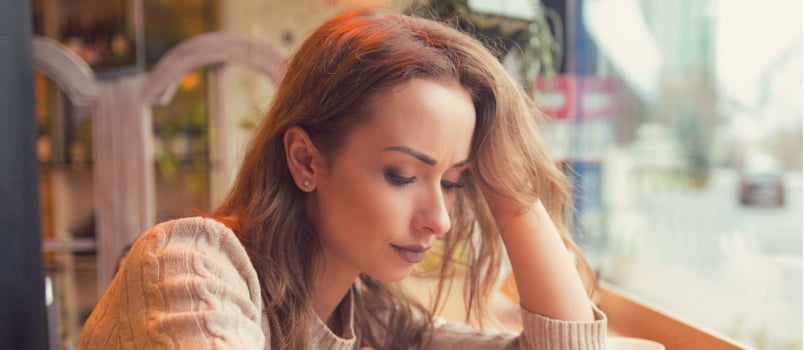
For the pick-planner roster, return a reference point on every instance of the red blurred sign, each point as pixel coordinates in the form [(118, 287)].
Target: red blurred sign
[(558, 96)]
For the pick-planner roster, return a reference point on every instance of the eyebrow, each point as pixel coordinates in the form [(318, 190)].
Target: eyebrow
[(421, 156)]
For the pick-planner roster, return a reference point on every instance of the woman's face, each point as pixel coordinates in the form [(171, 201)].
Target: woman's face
[(391, 187)]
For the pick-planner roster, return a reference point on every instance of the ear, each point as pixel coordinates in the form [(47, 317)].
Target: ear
[(302, 157)]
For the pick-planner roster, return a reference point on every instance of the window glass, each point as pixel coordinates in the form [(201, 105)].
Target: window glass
[(685, 146)]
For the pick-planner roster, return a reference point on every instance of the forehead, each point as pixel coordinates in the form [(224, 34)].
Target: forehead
[(433, 116)]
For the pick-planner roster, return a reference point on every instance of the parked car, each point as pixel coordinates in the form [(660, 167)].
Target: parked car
[(761, 182)]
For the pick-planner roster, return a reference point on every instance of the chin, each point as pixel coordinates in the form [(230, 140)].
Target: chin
[(390, 276)]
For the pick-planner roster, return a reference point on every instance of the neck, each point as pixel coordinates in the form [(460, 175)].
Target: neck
[(332, 282)]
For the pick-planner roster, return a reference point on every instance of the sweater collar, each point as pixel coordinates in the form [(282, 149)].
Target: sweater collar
[(324, 338)]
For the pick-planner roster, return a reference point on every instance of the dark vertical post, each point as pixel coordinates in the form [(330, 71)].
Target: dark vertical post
[(22, 300), (561, 8)]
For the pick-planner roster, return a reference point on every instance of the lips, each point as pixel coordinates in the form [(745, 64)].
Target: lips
[(413, 253)]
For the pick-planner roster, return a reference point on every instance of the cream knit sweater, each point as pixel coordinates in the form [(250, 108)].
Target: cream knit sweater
[(189, 284)]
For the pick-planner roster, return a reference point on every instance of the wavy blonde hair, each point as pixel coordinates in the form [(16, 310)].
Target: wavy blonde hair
[(325, 90)]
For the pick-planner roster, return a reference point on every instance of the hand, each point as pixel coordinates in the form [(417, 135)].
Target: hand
[(502, 208)]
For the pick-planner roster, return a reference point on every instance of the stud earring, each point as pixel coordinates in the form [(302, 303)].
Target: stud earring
[(307, 183)]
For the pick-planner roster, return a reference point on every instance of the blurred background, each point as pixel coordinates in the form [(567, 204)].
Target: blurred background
[(679, 121)]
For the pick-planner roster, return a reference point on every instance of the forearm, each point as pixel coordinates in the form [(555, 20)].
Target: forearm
[(547, 281)]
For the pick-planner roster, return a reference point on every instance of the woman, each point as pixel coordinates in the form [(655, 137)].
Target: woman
[(388, 136)]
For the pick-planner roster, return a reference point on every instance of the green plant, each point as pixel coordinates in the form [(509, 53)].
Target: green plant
[(539, 39), (182, 131), (543, 53)]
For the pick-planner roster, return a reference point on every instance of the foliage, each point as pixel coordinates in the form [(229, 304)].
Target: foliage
[(182, 132), (538, 40)]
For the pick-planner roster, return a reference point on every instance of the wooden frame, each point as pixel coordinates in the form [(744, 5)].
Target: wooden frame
[(628, 316)]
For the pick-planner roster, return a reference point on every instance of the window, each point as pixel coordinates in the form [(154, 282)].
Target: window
[(681, 122)]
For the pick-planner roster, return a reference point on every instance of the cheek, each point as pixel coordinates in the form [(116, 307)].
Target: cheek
[(361, 208)]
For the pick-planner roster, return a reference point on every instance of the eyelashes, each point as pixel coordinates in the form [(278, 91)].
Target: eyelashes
[(448, 185), (394, 178)]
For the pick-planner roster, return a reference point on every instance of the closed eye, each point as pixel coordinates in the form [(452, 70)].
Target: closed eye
[(397, 180), (450, 186)]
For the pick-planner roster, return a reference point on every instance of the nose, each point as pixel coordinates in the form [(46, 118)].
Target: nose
[(433, 213)]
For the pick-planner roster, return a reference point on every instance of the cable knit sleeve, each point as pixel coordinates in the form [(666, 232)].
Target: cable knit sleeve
[(539, 333), (185, 284)]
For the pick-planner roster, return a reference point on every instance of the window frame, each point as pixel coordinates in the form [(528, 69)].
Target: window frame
[(629, 316)]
